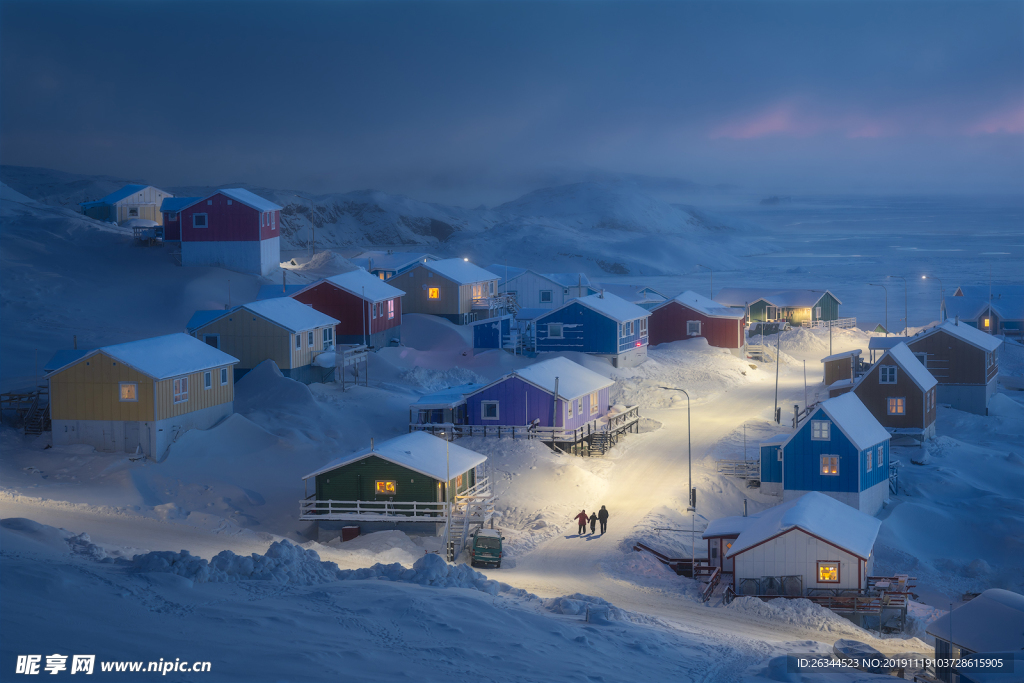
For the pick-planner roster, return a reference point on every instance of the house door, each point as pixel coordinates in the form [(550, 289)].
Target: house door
[(212, 339), (131, 437), (771, 313), (727, 562)]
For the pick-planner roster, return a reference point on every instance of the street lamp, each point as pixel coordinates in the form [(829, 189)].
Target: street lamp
[(906, 316), (942, 297), (886, 289), (691, 499), (712, 279), (447, 498)]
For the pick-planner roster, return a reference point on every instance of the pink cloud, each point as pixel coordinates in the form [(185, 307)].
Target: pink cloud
[(1009, 120)]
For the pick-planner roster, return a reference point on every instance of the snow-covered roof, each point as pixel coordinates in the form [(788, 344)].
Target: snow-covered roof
[(446, 398), (177, 203), (840, 383), (203, 318), (609, 305), (383, 260), (275, 291), (632, 293), (123, 193), (984, 291), (972, 336), (776, 440), (139, 223), (364, 285), (569, 279), (855, 421), (249, 199), (906, 359), (727, 526), (786, 298), (991, 622), (290, 314), (501, 269), (706, 306), (531, 313), (420, 452), (817, 514), (883, 343), (63, 358), (460, 271), (840, 356), (162, 357), (573, 379)]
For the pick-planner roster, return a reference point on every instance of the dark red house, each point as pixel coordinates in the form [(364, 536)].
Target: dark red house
[(233, 229), (370, 310), (691, 315), (171, 208)]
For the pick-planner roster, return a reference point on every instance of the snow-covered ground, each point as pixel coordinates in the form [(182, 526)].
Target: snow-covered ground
[(230, 493)]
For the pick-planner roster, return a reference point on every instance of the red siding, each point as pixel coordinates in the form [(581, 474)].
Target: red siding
[(349, 309), (233, 222), (172, 227), (668, 324), (272, 227)]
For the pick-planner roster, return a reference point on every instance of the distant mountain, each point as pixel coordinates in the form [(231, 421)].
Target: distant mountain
[(612, 227)]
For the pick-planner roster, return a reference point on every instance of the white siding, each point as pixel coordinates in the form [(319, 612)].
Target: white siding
[(796, 553), (261, 257), (528, 287)]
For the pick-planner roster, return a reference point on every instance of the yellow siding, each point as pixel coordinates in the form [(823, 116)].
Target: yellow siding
[(90, 390), (306, 354), (251, 339), (198, 397), (416, 283)]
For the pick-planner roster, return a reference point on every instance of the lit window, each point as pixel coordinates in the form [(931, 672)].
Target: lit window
[(489, 410), (692, 328), (830, 465), (207, 379), (386, 487), (199, 220), (985, 322), (593, 402), (545, 296), (391, 309), (828, 572), (869, 458), (381, 275), (820, 430), (434, 293), (181, 389), (896, 406), (554, 330), (887, 374), (458, 482), (223, 376), (129, 391)]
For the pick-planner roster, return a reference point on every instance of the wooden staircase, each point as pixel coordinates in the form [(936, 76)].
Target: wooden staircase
[(600, 442), (37, 420)]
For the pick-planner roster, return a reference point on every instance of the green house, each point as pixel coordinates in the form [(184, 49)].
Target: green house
[(807, 307), (401, 480)]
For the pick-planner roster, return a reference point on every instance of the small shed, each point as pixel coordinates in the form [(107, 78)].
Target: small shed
[(600, 324), (441, 408), (721, 535), (282, 330), (453, 288), (368, 310), (839, 366), (399, 481), (841, 450), (991, 623), (900, 393), (771, 464), (138, 397), (169, 209), (814, 542), (131, 201), (691, 315)]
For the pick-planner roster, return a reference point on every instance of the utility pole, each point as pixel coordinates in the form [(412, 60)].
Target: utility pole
[(778, 359), (886, 290), (692, 499)]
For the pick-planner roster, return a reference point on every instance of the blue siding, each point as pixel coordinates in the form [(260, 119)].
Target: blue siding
[(519, 403), (877, 474), (802, 461), (587, 331), (488, 334), (771, 468)]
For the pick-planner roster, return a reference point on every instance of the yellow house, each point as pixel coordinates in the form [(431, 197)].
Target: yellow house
[(283, 330), (139, 397), (131, 201)]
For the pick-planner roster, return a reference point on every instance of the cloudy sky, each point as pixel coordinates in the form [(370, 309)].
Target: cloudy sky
[(477, 101)]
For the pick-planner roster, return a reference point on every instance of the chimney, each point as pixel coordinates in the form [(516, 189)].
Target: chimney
[(744, 507), (74, 341), (284, 274), (602, 292), (957, 321), (554, 406), (371, 443)]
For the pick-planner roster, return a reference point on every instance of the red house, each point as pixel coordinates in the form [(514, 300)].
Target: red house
[(233, 229), (170, 208), (370, 310), (692, 315)]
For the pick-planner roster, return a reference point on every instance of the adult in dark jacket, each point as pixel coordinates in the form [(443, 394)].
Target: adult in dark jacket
[(603, 516), (582, 520), (593, 522)]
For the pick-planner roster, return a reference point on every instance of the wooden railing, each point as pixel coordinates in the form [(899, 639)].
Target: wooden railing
[(371, 510), (616, 423), (744, 469), (680, 565), (839, 322), (711, 576)]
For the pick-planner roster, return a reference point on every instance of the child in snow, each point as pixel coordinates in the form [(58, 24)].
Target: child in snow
[(582, 519), (593, 522), (603, 516)]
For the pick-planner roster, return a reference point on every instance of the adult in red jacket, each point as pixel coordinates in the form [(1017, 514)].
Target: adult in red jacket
[(582, 519)]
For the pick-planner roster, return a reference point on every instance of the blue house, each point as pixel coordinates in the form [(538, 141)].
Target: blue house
[(841, 451), (601, 324)]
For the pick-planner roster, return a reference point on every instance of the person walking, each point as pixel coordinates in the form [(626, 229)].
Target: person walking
[(603, 516), (582, 519), (593, 522)]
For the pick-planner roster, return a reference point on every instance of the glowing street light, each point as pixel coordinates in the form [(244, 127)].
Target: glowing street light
[(942, 297)]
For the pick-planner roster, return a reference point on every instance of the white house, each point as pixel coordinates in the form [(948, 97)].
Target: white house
[(130, 202), (541, 290), (825, 543)]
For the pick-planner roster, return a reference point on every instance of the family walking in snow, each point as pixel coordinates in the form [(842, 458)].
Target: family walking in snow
[(594, 518)]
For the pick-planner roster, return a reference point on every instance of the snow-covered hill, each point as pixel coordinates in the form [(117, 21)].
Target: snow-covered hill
[(552, 229)]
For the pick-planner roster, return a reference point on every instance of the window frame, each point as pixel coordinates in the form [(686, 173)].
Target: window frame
[(391, 309), (838, 568), (561, 330), (179, 389), (207, 380), (133, 212), (824, 427), (689, 333), (377, 487), (298, 341), (434, 293), (223, 376), (833, 463), (871, 456), (551, 296), (899, 408), (887, 374), (595, 397), (120, 392), (779, 453), (881, 455), (643, 327), (570, 408), (328, 336), (206, 221), (483, 410), (172, 215), (310, 338)]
